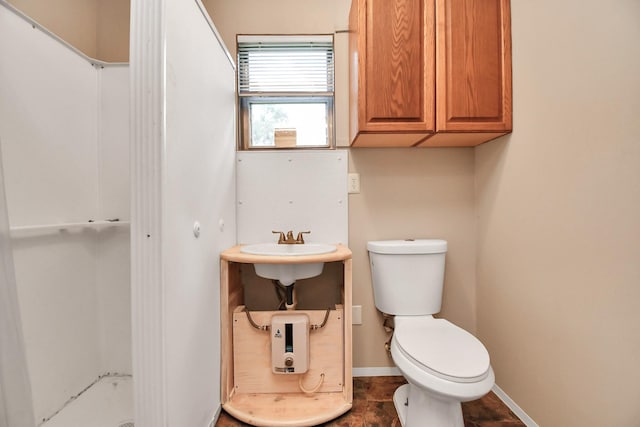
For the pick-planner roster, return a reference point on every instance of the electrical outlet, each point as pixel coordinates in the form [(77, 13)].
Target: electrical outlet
[(356, 315), (354, 183)]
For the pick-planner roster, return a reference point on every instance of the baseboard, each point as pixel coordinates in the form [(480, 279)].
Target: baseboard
[(526, 419), (215, 417), (383, 371)]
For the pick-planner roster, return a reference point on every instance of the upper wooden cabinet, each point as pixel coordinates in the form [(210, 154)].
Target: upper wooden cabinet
[(391, 47), (429, 72)]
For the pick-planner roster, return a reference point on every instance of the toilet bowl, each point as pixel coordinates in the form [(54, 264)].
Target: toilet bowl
[(443, 364)]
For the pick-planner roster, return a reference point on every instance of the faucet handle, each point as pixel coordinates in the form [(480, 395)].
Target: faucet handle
[(280, 237), (300, 239)]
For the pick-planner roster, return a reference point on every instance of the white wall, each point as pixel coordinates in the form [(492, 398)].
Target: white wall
[(113, 250), (293, 190), (183, 172), (49, 123), (200, 187), (49, 127)]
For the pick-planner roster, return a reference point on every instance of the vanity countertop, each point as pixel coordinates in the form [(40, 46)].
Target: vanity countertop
[(235, 255)]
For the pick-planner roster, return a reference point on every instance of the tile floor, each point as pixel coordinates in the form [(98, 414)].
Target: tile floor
[(373, 407)]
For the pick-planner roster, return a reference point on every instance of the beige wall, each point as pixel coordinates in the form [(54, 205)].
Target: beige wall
[(404, 192), (73, 20), (412, 193), (559, 217), (112, 31), (98, 28)]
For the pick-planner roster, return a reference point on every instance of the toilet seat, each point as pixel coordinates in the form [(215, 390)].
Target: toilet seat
[(442, 348)]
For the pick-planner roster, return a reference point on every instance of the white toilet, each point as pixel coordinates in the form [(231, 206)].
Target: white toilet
[(444, 364)]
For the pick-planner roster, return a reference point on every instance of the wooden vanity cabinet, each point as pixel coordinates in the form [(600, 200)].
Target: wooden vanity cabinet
[(249, 390), (429, 72)]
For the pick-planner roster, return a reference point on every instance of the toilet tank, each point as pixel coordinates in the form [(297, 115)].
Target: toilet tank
[(407, 275)]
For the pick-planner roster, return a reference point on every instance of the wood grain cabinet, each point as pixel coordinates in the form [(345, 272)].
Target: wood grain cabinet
[(250, 391), (429, 72)]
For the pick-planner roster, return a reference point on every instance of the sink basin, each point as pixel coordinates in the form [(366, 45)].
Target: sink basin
[(274, 249), (287, 274)]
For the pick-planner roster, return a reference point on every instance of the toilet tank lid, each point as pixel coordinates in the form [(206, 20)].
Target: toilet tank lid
[(408, 246)]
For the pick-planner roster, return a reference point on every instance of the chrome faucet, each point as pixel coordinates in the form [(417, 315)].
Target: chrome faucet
[(289, 240)]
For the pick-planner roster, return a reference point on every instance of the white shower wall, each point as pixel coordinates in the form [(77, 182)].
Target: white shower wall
[(64, 132), (113, 254)]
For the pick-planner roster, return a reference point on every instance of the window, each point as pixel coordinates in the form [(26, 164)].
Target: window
[(286, 91)]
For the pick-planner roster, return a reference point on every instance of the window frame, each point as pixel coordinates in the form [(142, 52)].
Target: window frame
[(246, 100), (244, 107)]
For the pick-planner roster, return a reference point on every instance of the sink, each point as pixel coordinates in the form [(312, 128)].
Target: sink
[(275, 249), (287, 274)]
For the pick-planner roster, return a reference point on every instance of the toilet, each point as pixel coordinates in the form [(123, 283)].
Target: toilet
[(443, 364)]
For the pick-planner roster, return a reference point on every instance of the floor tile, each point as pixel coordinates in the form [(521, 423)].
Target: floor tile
[(373, 407), (489, 408)]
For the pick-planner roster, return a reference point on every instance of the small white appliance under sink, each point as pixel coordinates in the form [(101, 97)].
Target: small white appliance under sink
[(443, 364), (290, 343)]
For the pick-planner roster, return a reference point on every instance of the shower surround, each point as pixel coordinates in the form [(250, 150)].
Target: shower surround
[(64, 127)]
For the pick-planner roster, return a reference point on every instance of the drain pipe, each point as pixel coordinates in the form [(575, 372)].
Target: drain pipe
[(290, 304), (285, 294)]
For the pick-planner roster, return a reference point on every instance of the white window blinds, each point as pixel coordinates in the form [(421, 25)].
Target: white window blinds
[(285, 65)]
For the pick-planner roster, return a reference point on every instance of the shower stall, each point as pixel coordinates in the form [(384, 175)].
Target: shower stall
[(64, 141), (99, 299), (15, 388)]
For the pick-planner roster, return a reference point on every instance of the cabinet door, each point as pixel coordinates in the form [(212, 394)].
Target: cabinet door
[(473, 48), (393, 41)]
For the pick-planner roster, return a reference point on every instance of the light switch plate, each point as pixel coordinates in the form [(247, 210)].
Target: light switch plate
[(356, 315), (354, 183)]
